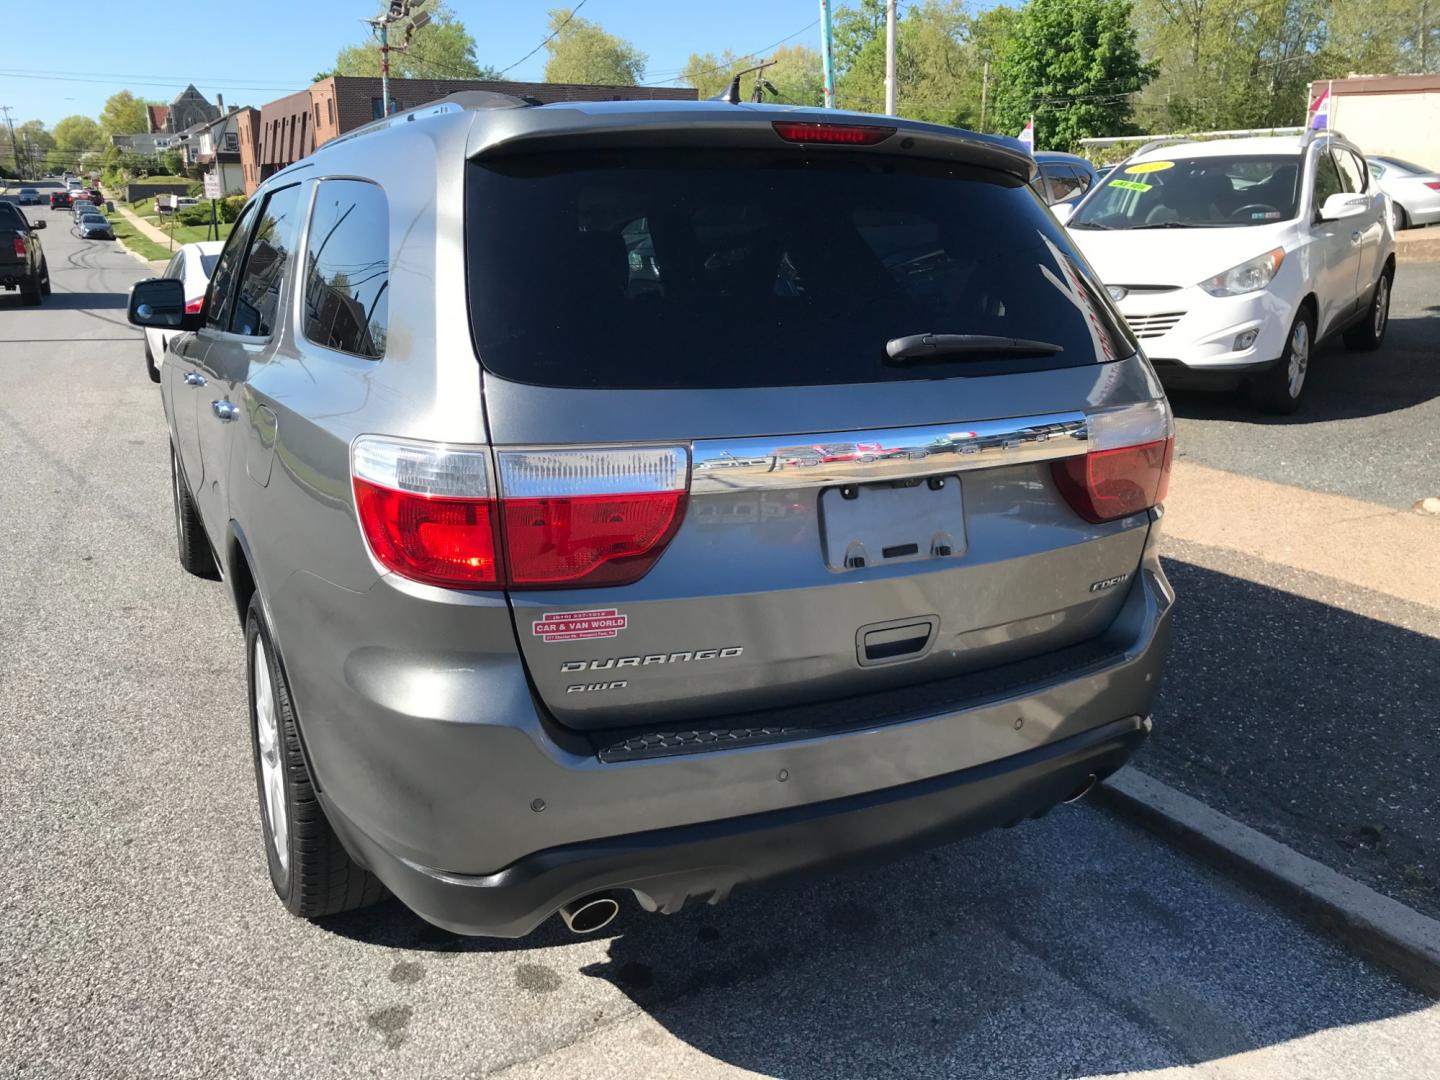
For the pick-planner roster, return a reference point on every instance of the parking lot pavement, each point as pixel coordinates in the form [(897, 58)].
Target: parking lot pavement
[(141, 937), (1370, 423)]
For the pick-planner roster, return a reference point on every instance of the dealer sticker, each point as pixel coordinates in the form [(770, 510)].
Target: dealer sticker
[(1149, 167), (1130, 185), (579, 625)]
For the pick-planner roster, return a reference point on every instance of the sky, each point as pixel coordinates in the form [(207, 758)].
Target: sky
[(278, 45)]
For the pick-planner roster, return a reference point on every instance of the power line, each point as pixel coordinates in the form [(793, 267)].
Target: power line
[(206, 79), (738, 60), (549, 39)]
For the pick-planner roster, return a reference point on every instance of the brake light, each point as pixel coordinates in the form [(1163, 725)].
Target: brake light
[(842, 134), (568, 518), (589, 517), (1126, 468), (20, 246), (1433, 185), (192, 307), (426, 511)]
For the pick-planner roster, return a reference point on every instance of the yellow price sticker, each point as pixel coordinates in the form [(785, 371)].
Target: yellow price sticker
[(1149, 167)]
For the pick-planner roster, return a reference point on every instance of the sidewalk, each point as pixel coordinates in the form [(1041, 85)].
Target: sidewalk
[(142, 226)]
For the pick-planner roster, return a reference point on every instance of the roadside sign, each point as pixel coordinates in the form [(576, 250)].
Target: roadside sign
[(212, 185)]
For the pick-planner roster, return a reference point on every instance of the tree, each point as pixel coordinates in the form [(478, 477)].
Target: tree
[(582, 52), (709, 74), (123, 114), (34, 143), (76, 134), (853, 30), (443, 49), (1075, 65)]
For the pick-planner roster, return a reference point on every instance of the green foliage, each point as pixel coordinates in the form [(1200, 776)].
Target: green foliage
[(229, 208), (796, 74), (172, 162), (199, 214), (123, 114), (582, 52), (1075, 65), (444, 49), (76, 134)]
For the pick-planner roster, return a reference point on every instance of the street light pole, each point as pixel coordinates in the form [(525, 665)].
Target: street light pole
[(890, 57)]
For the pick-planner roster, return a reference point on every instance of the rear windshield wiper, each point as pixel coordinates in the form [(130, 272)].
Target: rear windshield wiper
[(914, 348)]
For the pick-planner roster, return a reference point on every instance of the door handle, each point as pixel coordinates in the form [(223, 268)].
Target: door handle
[(1355, 236), (194, 378), (225, 410)]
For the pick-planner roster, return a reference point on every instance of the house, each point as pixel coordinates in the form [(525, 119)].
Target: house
[(1397, 115), (215, 147), (293, 126), (142, 143), (189, 108)]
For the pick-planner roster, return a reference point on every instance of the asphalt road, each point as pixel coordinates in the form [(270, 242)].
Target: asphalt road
[(140, 937), (1370, 423)]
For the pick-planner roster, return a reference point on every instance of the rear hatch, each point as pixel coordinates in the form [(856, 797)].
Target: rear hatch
[(705, 331)]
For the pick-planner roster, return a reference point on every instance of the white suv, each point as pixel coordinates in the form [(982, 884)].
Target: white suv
[(1230, 259)]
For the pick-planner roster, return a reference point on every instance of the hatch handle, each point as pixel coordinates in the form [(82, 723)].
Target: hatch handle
[(895, 641)]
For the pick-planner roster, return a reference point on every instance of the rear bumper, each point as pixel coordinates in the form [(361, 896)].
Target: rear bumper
[(667, 867)]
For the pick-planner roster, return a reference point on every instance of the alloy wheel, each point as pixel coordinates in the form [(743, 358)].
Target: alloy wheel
[(1299, 356), (1382, 306), (267, 736)]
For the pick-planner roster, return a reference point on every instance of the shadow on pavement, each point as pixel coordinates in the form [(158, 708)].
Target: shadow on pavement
[(88, 301), (1308, 722), (1343, 385)]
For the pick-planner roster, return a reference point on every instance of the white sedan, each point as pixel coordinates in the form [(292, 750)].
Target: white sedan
[(1413, 189), (193, 264)]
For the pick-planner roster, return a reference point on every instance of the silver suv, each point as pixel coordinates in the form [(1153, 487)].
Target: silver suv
[(654, 498)]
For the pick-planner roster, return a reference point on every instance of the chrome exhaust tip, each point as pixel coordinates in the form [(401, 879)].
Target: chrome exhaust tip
[(590, 913), (1080, 792)]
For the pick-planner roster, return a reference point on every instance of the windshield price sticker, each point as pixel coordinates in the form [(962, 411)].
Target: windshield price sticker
[(1130, 185), (1150, 166), (579, 625)]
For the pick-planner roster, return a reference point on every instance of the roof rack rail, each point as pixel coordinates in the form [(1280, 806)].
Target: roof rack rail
[(1311, 134), (460, 101)]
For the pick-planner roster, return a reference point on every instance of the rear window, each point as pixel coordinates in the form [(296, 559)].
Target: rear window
[(668, 269), (207, 264)]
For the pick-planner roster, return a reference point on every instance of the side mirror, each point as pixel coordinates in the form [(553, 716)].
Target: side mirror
[(1342, 205), (37, 224), (159, 303), (1062, 211)]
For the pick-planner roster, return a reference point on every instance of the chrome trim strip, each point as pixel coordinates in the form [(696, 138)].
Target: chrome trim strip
[(722, 465)]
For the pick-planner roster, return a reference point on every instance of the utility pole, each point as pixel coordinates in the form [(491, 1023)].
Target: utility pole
[(984, 92), (890, 6), (397, 11), (14, 145), (827, 54)]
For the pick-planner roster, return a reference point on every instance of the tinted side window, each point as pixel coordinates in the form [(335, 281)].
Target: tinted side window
[(258, 297), (347, 268), (1351, 174), (1327, 179), (1062, 180), (218, 310)]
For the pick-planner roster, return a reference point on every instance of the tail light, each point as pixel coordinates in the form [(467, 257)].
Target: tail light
[(20, 246), (1433, 185), (192, 307), (833, 134), (1126, 468), (560, 519)]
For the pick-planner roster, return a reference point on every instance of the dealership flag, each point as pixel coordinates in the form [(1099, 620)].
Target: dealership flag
[(1027, 135), (1320, 110)]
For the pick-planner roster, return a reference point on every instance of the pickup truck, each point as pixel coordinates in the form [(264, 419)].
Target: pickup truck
[(22, 259)]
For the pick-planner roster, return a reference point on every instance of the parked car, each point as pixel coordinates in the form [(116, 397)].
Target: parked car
[(95, 227), (1062, 178), (91, 193), (1413, 189), (504, 660), (191, 265), (30, 196), (181, 202), (1231, 259), (80, 207), (22, 256), (60, 200)]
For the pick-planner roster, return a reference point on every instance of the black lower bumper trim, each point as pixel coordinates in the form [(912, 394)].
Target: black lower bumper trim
[(667, 867)]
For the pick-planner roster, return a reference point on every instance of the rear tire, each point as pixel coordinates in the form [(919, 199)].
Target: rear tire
[(150, 368), (45, 278), (30, 292), (195, 554), (1369, 334), (1278, 390), (311, 871), (1399, 217)]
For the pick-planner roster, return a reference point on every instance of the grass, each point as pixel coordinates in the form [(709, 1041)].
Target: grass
[(184, 234), (143, 246)]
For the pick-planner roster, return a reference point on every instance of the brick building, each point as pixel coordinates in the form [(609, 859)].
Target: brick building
[(294, 126)]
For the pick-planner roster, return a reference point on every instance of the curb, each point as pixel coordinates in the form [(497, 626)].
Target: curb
[(1418, 245), (1380, 929)]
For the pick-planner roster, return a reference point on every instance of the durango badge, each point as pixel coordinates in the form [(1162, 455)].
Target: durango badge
[(579, 625)]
